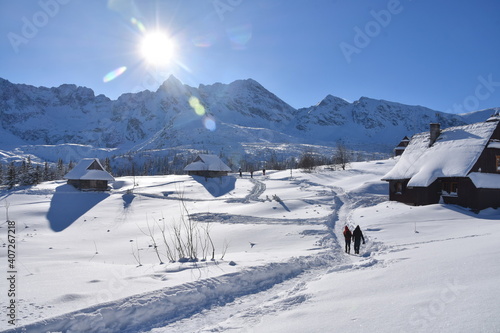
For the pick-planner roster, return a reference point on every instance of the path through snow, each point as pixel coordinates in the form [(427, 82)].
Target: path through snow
[(246, 311), (204, 305), (257, 190)]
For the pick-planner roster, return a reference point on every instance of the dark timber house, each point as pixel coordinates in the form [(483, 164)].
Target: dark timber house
[(458, 165), (89, 174), (400, 148), (207, 165)]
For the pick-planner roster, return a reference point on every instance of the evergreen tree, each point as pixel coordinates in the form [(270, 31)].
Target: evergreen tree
[(178, 163), (60, 169), (27, 175), (46, 175), (11, 175), (37, 175), (107, 164), (165, 166), (22, 170)]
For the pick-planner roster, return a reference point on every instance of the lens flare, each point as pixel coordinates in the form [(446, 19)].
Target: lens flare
[(204, 41), (194, 102), (240, 36), (138, 24), (114, 74), (209, 123)]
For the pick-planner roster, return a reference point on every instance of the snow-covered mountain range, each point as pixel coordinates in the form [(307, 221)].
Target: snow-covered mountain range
[(240, 119)]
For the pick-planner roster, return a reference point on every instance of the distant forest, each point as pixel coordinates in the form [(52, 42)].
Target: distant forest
[(28, 173)]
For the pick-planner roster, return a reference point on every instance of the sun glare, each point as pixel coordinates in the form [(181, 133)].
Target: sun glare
[(157, 48)]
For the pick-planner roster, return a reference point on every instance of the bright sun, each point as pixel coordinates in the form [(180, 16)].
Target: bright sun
[(157, 48)]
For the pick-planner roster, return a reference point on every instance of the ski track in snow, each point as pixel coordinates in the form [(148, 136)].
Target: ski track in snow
[(257, 190), (244, 219), (247, 310), (201, 306), (161, 307)]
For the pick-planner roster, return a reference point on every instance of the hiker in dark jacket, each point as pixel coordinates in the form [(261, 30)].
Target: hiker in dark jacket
[(347, 236), (357, 236)]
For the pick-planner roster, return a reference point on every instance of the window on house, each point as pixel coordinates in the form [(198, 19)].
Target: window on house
[(450, 187), (399, 188), (498, 163)]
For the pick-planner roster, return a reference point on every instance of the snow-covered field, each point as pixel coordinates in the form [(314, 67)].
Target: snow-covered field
[(279, 264)]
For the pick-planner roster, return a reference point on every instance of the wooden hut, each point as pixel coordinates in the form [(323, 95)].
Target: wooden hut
[(89, 174), (207, 165), (458, 165), (400, 148)]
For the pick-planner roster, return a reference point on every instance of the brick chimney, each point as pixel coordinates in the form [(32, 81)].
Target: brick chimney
[(435, 131)]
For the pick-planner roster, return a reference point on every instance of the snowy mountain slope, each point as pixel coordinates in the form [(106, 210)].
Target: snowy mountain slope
[(422, 269), (247, 103), (49, 115), (477, 116), (180, 117), (368, 121)]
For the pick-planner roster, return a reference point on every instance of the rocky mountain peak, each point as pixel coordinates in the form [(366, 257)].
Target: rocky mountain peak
[(241, 114), (331, 100)]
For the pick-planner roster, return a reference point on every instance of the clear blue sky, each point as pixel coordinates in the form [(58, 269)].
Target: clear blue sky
[(441, 54)]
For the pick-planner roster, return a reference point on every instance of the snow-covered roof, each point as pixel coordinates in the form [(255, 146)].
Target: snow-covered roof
[(485, 180), (207, 162), (494, 144), (454, 153), (82, 171)]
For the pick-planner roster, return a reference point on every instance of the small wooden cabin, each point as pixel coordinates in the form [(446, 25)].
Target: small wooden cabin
[(89, 174), (458, 165), (207, 165), (400, 148)]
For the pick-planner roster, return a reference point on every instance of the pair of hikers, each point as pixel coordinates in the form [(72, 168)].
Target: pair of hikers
[(356, 236)]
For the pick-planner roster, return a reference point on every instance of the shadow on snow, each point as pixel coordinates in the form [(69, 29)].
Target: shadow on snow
[(217, 186), (68, 204), (127, 199)]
